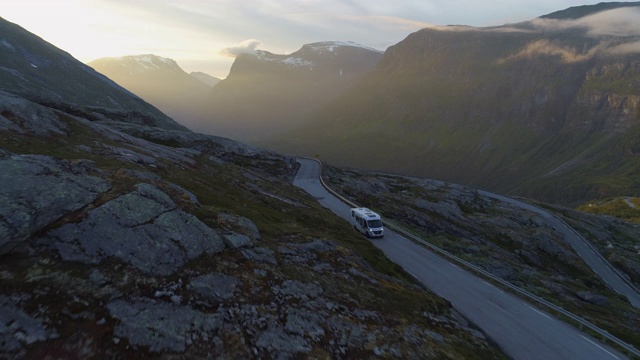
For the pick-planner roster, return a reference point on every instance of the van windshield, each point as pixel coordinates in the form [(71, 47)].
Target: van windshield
[(374, 224)]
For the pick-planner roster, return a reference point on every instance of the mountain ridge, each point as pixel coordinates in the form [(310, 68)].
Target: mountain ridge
[(576, 12), (160, 81), (267, 93), (522, 109), (34, 68)]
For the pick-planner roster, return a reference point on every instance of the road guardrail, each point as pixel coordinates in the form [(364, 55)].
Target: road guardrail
[(476, 269)]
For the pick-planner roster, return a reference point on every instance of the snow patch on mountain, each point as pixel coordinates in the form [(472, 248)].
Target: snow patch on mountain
[(332, 46), (293, 61), (148, 62), (297, 62), (318, 48)]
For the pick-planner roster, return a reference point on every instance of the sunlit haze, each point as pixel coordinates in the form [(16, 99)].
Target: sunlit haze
[(204, 35)]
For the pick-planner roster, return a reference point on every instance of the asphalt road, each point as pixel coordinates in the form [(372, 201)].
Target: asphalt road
[(582, 247), (521, 330)]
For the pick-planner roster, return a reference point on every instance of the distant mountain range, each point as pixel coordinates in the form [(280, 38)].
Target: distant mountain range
[(548, 108), (267, 93), (161, 82)]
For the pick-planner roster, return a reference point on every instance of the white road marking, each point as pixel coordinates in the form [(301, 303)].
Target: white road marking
[(603, 349), (541, 313)]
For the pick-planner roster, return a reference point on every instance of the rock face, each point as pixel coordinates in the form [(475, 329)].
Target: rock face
[(36, 190), (38, 71), (143, 228), (162, 327)]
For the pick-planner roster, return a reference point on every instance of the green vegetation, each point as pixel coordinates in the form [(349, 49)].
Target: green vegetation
[(627, 209)]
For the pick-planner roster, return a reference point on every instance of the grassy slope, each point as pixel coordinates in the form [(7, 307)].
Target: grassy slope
[(220, 188)]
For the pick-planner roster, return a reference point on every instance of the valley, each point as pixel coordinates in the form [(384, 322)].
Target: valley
[(151, 211)]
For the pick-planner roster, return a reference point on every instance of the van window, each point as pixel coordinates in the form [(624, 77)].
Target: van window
[(374, 223)]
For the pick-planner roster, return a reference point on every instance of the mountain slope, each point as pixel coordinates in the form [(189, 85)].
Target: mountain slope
[(31, 67), (577, 12), (127, 240), (549, 110), (267, 93), (205, 78), (160, 81)]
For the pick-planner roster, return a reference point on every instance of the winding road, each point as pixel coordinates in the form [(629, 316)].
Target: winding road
[(590, 255), (520, 329)]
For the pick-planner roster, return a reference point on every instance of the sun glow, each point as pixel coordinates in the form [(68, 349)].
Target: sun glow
[(89, 30)]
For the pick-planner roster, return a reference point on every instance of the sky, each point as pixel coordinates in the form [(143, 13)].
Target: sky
[(205, 35)]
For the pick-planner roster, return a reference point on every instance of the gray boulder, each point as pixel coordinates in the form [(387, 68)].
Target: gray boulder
[(33, 118), (37, 190), (142, 228), (593, 298), (236, 241), (260, 254), (240, 224)]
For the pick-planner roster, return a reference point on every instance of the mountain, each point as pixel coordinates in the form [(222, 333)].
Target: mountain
[(31, 67), (205, 78), (124, 235), (161, 82), (548, 109), (577, 12), (266, 93)]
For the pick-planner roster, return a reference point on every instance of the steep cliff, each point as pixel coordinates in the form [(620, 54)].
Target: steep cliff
[(546, 108)]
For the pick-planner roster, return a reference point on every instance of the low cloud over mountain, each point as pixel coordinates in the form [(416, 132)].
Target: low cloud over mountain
[(246, 47), (616, 22)]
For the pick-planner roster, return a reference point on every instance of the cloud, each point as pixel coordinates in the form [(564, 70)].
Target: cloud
[(629, 48), (547, 48), (246, 47), (616, 26), (617, 22)]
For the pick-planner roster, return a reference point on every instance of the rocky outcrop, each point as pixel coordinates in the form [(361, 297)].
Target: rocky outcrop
[(37, 190), (142, 228), (24, 117)]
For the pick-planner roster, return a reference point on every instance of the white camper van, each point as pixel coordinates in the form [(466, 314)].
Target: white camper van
[(367, 222)]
